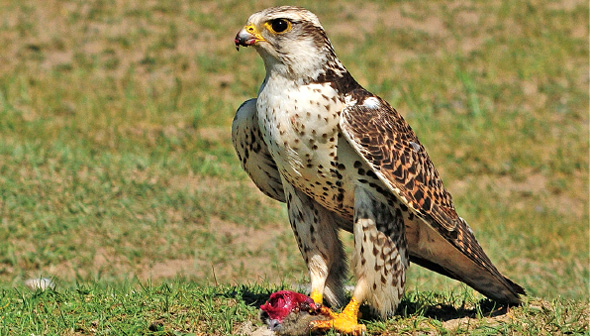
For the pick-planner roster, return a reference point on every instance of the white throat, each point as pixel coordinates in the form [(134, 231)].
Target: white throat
[(302, 63)]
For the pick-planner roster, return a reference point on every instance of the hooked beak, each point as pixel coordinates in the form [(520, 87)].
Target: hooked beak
[(247, 36)]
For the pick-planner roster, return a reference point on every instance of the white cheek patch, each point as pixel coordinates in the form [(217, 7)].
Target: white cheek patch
[(371, 103)]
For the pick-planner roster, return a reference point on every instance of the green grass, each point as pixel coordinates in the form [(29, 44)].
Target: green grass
[(118, 179), (181, 307)]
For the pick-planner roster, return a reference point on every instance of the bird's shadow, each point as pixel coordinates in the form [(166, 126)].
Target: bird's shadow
[(445, 312), (256, 296)]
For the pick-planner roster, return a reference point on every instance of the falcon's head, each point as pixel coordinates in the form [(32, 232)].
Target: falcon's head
[(290, 40)]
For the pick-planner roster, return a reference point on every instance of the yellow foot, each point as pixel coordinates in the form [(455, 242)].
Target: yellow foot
[(345, 322), (316, 296)]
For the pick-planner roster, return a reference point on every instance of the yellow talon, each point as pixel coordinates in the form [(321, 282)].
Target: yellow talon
[(345, 322)]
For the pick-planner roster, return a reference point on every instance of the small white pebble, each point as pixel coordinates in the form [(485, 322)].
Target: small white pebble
[(40, 283)]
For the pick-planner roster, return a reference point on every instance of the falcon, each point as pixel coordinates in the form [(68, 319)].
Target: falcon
[(343, 159)]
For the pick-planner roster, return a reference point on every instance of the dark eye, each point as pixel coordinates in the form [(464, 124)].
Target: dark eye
[(280, 25)]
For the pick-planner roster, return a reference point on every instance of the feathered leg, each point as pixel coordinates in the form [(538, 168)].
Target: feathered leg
[(316, 233), (380, 261), (381, 253)]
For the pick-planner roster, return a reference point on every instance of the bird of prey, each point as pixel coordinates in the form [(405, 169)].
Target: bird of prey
[(343, 158)]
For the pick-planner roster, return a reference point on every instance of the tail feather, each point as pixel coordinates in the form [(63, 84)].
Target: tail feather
[(510, 292), (459, 256)]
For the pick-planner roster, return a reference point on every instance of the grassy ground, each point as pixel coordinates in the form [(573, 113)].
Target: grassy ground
[(118, 180), (181, 307)]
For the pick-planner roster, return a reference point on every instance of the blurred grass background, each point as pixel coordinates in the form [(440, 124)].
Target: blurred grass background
[(116, 161)]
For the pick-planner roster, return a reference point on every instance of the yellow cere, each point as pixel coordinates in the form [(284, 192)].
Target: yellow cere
[(251, 28)]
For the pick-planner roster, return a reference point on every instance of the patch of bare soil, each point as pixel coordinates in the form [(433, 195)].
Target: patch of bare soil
[(566, 5), (520, 192), (468, 323), (172, 268), (354, 18), (247, 258), (359, 22)]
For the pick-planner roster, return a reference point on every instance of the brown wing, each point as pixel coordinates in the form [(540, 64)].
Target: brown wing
[(388, 145)]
